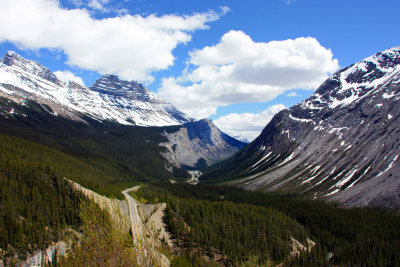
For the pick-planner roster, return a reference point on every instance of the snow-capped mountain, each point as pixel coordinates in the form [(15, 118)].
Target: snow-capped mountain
[(191, 144), (237, 137), (342, 143), (109, 98)]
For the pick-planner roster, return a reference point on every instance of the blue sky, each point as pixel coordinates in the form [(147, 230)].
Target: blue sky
[(236, 62)]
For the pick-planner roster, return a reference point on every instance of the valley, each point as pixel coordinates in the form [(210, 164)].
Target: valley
[(149, 185)]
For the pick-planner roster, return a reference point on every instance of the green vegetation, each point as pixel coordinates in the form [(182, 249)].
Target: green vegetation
[(358, 236), (231, 168), (226, 224), (32, 156), (201, 221), (36, 204), (118, 156), (188, 260), (235, 230), (39, 150), (103, 242)]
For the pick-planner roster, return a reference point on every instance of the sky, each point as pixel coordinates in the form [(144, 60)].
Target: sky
[(236, 62)]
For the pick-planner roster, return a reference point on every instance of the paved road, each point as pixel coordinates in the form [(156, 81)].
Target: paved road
[(137, 231), (135, 219)]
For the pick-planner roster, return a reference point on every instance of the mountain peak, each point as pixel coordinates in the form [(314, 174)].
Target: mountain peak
[(9, 58), (341, 143), (111, 85), (22, 65), (391, 53), (351, 84)]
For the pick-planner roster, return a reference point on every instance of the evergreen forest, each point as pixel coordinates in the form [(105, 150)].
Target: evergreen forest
[(118, 156), (37, 205), (243, 226)]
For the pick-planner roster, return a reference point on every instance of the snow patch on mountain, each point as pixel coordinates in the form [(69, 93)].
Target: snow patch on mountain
[(109, 98), (342, 143), (359, 81)]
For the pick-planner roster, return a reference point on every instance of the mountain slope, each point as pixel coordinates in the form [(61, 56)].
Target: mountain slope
[(342, 143), (121, 154), (198, 144), (108, 98)]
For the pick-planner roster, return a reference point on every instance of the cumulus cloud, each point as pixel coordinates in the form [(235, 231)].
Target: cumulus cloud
[(291, 94), (237, 69), (131, 46), (67, 76), (248, 125)]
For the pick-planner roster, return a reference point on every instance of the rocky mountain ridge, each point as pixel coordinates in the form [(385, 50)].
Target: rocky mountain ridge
[(117, 101), (109, 98), (342, 143)]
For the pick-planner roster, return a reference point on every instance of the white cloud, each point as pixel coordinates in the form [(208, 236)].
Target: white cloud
[(97, 4), (248, 125), (237, 69), (102, 6), (76, 3), (131, 46), (224, 10), (291, 94), (66, 76)]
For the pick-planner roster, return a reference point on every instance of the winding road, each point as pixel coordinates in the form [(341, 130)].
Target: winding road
[(137, 233), (136, 223)]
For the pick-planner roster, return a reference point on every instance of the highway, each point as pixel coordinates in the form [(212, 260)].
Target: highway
[(136, 223), (137, 232)]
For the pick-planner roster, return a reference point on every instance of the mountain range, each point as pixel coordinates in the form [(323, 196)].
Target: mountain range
[(109, 98), (342, 143), (115, 101)]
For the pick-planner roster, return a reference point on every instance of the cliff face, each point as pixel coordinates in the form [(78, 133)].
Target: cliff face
[(199, 144)]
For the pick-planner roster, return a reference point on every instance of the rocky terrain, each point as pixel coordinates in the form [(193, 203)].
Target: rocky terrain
[(342, 143), (199, 144)]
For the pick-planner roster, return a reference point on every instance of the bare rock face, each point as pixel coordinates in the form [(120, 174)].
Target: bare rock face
[(112, 85), (342, 143), (199, 144)]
